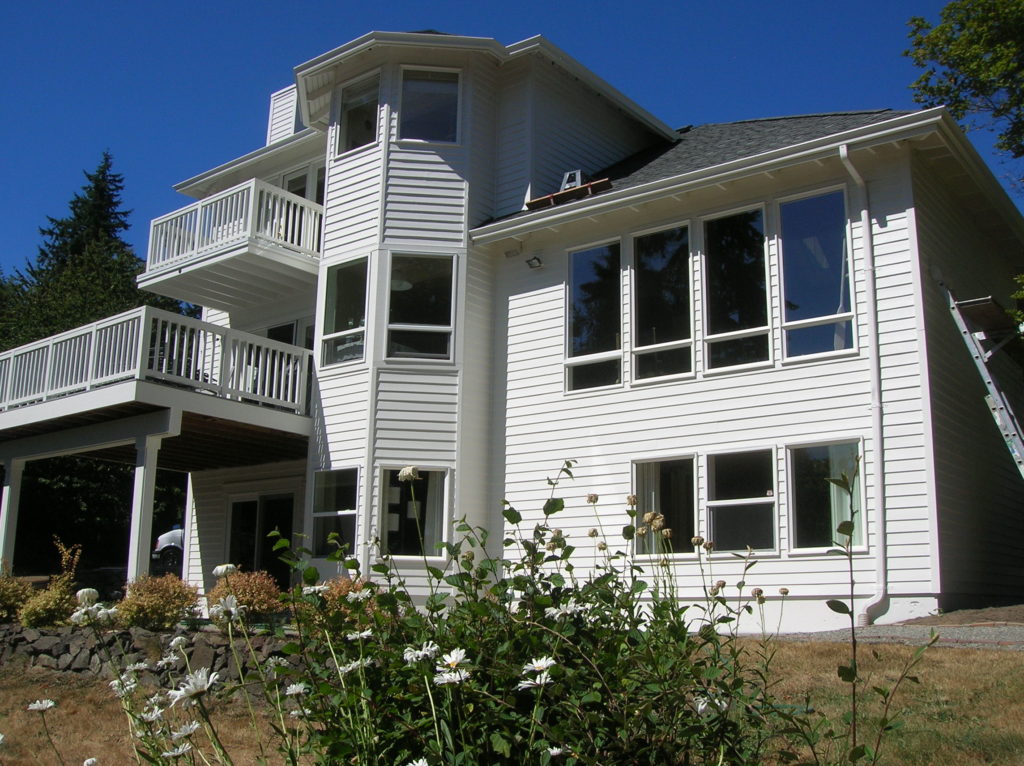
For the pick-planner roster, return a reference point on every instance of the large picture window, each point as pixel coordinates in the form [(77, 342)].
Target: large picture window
[(334, 509), (741, 500), (666, 487), (413, 522), (420, 307), (344, 334), (662, 344), (818, 506), (737, 300), (817, 314), (357, 120), (595, 318), (430, 106)]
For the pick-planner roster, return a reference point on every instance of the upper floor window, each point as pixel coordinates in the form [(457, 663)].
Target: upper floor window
[(420, 306), (817, 315), (430, 106), (344, 332), (334, 509), (662, 337), (737, 299), (357, 121), (307, 183), (595, 317)]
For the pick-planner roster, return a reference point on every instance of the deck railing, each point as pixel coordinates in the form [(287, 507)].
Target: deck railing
[(151, 344), (252, 211)]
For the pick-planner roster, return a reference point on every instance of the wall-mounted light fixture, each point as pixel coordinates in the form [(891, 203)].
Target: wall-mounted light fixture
[(535, 262)]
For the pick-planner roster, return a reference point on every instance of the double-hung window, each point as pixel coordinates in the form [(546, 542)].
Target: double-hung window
[(595, 318), (344, 334), (736, 330), (334, 509), (741, 500), (662, 340), (414, 513), (817, 315), (818, 506), (430, 106), (665, 487), (420, 307), (357, 119)]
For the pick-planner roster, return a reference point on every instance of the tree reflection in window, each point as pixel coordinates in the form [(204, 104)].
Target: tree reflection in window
[(595, 314), (662, 284)]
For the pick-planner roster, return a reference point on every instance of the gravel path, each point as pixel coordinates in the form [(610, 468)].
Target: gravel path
[(982, 635)]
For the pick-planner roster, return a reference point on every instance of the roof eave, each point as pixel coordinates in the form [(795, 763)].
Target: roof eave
[(902, 127)]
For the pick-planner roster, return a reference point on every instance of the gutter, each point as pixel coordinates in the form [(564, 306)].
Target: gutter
[(879, 604)]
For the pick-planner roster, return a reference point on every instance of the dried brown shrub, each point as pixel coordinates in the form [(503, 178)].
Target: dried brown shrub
[(158, 603), (256, 591)]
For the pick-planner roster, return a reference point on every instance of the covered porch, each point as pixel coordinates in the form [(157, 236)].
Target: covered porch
[(154, 390)]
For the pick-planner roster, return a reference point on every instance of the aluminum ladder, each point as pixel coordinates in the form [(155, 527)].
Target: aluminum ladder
[(983, 320)]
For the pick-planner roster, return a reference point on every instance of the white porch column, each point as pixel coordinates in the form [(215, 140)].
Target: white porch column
[(146, 451), (9, 508)]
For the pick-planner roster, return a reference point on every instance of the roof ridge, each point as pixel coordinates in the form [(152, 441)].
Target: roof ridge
[(799, 117)]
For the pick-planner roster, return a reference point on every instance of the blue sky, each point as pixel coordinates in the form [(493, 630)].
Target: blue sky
[(175, 88)]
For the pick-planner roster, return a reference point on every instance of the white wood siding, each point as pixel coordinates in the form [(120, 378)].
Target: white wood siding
[(512, 160), (352, 210), (281, 122), (341, 418), (978, 487), (574, 128), (415, 415), (482, 98), (425, 199)]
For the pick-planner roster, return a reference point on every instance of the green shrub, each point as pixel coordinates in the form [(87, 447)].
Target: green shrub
[(55, 604), (256, 593), (13, 594), (158, 603)]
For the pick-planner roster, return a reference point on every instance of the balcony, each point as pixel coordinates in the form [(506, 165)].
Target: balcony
[(153, 346), (243, 247)]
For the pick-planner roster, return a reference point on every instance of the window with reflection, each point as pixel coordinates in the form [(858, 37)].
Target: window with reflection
[(741, 500), (334, 510), (595, 318), (666, 487), (816, 280), (344, 331), (818, 506), (357, 122), (430, 106), (662, 344), (420, 307), (737, 298)]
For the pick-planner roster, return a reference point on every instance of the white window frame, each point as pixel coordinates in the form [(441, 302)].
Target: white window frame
[(830, 319), (571, 361), (445, 513), (710, 504), (707, 339), (326, 337), (337, 512), (680, 542), (635, 349), (860, 546), (459, 100), (310, 170), (425, 328), (338, 114)]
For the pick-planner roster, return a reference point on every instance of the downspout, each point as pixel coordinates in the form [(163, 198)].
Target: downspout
[(878, 605)]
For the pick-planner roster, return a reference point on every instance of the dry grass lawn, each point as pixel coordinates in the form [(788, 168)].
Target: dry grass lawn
[(968, 709)]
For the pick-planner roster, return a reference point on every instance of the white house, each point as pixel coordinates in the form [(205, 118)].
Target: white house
[(714, 319)]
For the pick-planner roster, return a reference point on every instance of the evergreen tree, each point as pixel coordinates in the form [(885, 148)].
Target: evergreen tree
[(84, 271)]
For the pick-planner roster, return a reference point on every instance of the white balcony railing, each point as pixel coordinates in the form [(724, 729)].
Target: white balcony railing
[(253, 211), (150, 344)]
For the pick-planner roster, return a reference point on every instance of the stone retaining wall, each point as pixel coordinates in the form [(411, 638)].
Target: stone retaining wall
[(83, 650)]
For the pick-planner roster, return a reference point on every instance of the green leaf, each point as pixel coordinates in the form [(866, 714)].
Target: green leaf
[(310, 575), (434, 572), (500, 745), (838, 606), (553, 505), (847, 673), (845, 528), (512, 516), (281, 544), (629, 532), (291, 648)]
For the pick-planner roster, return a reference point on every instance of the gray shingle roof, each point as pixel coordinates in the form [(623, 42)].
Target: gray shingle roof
[(707, 145)]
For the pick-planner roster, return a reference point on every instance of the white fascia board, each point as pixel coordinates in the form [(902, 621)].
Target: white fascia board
[(543, 46), (898, 128), (296, 144)]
